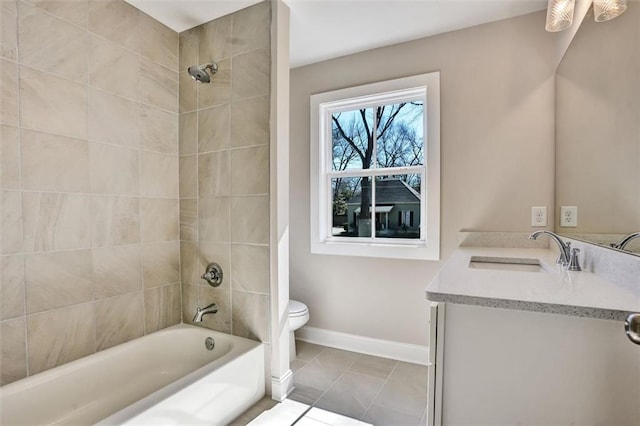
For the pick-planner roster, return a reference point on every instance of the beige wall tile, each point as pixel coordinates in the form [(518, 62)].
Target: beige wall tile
[(116, 220), (11, 286), (189, 176), (213, 219), (9, 93), (8, 29), (250, 220), (105, 110), (189, 263), (13, 351), (250, 170), (189, 219), (189, 302), (162, 307), (249, 313), (215, 40), (250, 268), (60, 336), (160, 219), (188, 50), (158, 86), (213, 174), (11, 222), (252, 28), (54, 221), (161, 263), (52, 104), (250, 74), (113, 68), (119, 319), (158, 42), (188, 92), (250, 122), (221, 320), (158, 130), (113, 169), (214, 128), (116, 21), (188, 133), (218, 91), (54, 280), (219, 253), (116, 270), (9, 158), (61, 49), (54, 163), (159, 174), (73, 11)]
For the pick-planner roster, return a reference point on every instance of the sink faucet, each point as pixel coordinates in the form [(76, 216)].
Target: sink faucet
[(565, 248), (200, 312), (623, 242)]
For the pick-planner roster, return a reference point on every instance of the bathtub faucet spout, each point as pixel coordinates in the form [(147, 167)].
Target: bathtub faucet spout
[(200, 312)]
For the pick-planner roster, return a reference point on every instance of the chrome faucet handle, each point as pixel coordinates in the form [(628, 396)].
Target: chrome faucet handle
[(574, 264), (213, 274)]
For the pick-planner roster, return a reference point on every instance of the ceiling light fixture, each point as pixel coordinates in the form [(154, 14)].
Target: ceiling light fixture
[(560, 14), (605, 10)]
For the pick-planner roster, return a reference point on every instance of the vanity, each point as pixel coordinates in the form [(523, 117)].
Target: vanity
[(518, 339)]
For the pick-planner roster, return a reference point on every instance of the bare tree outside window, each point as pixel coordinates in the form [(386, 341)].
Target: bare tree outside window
[(382, 136)]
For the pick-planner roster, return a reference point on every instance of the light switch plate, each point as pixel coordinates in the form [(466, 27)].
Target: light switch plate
[(568, 216), (538, 216)]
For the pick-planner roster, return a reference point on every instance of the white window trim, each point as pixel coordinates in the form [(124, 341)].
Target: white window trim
[(427, 248)]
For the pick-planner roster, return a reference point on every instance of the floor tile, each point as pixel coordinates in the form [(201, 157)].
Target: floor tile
[(307, 351), (296, 365), (406, 390), (306, 421), (351, 395), (325, 368), (382, 416), (374, 366), (305, 394)]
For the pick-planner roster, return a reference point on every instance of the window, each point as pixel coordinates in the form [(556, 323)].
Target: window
[(375, 169)]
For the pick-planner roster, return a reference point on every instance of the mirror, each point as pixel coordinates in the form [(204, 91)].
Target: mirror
[(598, 130)]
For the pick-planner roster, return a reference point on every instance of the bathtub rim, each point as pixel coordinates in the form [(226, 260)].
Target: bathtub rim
[(239, 346)]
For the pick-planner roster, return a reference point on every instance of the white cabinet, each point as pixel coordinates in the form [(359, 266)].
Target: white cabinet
[(495, 366)]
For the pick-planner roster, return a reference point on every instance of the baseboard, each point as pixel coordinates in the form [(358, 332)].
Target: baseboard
[(415, 354), (281, 387)]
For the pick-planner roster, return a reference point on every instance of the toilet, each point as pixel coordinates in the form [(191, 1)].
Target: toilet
[(298, 316)]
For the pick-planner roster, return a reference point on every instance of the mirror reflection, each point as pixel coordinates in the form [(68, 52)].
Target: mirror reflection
[(598, 132)]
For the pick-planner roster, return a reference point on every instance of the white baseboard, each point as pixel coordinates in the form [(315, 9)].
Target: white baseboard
[(281, 387), (415, 354)]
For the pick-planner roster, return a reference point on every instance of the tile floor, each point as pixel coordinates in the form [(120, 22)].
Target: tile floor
[(374, 390)]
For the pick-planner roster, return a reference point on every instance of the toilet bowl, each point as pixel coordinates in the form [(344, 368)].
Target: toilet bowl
[(298, 316)]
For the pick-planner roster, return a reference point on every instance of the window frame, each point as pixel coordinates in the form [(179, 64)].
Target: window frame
[(425, 87)]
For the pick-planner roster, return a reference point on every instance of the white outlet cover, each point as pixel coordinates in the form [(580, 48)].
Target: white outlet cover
[(568, 216), (538, 216)]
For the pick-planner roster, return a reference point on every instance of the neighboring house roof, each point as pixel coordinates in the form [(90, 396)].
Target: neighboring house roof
[(391, 191)]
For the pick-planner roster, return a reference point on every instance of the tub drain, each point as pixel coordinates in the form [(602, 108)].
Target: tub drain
[(209, 343)]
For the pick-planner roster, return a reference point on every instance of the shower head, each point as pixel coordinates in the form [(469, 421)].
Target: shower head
[(199, 72)]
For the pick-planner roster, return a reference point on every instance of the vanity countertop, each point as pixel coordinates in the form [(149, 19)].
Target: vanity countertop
[(555, 290)]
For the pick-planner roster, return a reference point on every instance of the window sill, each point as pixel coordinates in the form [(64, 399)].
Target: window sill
[(419, 250)]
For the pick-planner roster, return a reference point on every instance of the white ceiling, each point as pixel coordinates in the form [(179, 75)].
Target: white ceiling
[(325, 29)]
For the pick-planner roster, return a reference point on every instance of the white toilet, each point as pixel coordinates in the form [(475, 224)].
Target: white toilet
[(298, 316)]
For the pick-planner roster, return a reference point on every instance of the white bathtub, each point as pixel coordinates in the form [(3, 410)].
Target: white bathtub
[(165, 378)]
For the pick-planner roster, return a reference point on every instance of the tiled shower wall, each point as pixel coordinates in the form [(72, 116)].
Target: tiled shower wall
[(89, 232), (224, 171)]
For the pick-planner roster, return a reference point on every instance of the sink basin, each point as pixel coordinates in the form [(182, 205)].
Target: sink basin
[(506, 264)]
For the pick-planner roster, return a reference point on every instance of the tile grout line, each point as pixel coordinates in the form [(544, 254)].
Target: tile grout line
[(379, 391)]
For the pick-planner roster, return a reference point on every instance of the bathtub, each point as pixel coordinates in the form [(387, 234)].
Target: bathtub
[(164, 378)]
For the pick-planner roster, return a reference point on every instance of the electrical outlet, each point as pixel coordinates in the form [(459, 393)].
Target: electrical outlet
[(538, 216), (568, 216)]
